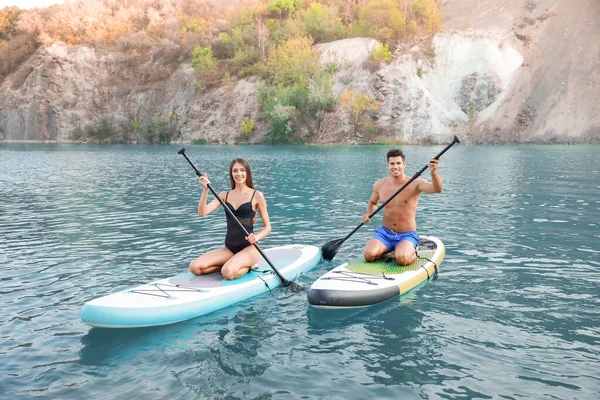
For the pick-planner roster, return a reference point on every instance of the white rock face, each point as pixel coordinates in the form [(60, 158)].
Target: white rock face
[(461, 55), (58, 49), (420, 102), (409, 108), (354, 51)]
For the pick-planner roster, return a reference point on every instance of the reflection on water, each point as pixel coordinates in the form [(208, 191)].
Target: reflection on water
[(514, 312)]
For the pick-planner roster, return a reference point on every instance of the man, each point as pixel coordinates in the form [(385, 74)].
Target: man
[(398, 232)]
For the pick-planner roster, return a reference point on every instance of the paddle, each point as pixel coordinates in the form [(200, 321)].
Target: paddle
[(294, 286), (330, 249)]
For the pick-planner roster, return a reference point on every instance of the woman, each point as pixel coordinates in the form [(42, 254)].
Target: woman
[(238, 256)]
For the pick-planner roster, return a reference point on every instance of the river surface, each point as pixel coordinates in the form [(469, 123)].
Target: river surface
[(515, 312)]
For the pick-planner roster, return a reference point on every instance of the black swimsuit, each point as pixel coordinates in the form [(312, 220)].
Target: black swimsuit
[(236, 238)]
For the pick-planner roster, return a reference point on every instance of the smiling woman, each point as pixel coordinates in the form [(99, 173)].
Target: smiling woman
[(238, 256)]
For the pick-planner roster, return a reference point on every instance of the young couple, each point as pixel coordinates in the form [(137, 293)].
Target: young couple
[(239, 256)]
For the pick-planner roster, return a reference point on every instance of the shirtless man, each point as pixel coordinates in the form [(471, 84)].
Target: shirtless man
[(398, 232)]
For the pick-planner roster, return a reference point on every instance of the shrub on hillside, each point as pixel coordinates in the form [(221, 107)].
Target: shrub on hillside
[(382, 52), (320, 94), (322, 23), (382, 20), (223, 46), (280, 31), (280, 107), (292, 62), (200, 141), (428, 14), (203, 61), (102, 132), (284, 8), (358, 105), (247, 126)]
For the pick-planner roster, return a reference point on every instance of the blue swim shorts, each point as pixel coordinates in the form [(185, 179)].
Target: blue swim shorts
[(391, 239)]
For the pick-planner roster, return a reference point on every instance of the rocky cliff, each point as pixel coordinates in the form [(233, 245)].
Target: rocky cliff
[(63, 88), (511, 71)]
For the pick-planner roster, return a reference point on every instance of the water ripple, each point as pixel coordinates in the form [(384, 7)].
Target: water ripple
[(513, 314)]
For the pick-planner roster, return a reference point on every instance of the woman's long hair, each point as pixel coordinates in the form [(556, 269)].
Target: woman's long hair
[(249, 182)]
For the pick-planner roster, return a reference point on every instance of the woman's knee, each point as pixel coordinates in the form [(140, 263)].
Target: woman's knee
[(228, 274), (232, 271), (196, 268)]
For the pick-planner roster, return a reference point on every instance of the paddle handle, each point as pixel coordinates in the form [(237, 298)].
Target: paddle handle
[(284, 281), (182, 152)]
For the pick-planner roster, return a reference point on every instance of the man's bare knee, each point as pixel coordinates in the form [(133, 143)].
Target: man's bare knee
[(403, 259), (369, 255)]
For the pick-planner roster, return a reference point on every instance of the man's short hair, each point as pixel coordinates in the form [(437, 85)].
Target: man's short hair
[(395, 153)]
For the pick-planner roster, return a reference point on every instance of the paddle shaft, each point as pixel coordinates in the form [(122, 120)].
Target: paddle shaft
[(232, 215), (415, 176)]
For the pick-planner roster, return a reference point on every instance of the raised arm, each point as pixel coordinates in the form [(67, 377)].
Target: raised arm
[(435, 186), (203, 208)]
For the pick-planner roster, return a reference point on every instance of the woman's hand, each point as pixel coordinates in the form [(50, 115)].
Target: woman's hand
[(251, 238), (203, 180)]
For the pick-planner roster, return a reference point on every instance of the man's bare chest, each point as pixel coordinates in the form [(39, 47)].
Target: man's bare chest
[(406, 196)]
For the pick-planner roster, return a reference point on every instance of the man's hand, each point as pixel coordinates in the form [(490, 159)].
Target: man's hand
[(366, 219), (433, 165)]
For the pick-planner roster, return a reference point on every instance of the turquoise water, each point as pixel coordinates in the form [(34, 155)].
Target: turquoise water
[(514, 313)]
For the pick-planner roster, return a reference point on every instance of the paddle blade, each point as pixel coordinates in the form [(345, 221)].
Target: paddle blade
[(295, 287), (330, 249)]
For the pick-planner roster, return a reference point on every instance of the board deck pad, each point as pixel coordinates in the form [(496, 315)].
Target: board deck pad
[(388, 266), (189, 280)]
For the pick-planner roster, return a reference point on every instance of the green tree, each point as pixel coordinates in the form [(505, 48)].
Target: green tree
[(223, 47), (357, 105), (280, 31), (292, 62), (322, 23), (284, 8), (428, 14), (382, 19), (320, 94), (203, 60), (281, 107)]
